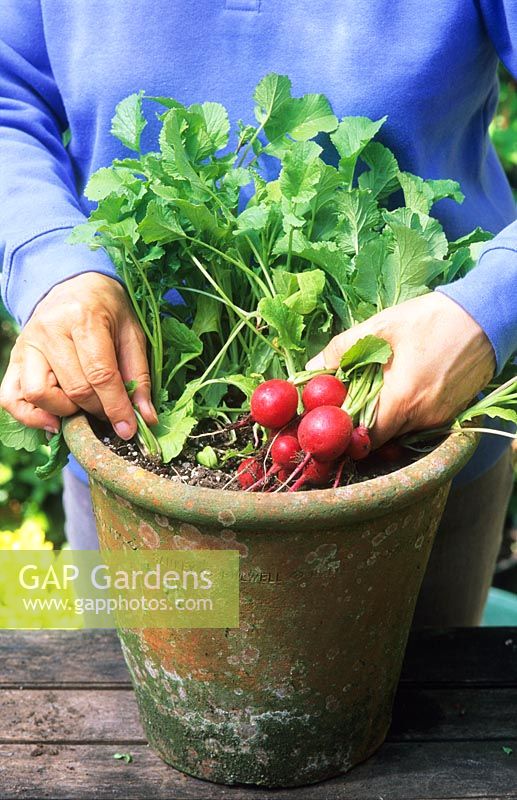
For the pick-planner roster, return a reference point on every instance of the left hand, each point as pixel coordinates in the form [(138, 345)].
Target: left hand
[(441, 360)]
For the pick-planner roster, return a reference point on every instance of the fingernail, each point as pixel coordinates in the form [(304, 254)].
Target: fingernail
[(318, 362), (50, 429), (124, 430), (147, 409)]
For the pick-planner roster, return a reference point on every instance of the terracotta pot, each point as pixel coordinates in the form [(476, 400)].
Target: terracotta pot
[(303, 689)]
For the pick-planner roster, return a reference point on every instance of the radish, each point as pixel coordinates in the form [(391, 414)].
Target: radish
[(323, 390), (391, 452), (274, 403), (249, 471), (325, 433), (283, 475), (285, 450), (291, 428), (316, 473), (360, 444)]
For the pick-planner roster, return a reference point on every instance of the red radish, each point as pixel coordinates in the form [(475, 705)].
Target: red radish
[(325, 432), (284, 475), (323, 390), (284, 451), (316, 473), (360, 444), (339, 473), (291, 428), (390, 452), (249, 471), (274, 403), (264, 478)]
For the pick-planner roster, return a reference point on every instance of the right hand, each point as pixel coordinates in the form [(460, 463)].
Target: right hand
[(79, 347)]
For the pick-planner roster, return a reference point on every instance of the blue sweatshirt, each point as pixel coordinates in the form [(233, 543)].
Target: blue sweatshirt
[(431, 67)]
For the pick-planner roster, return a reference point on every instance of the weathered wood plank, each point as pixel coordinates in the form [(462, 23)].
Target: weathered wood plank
[(68, 715), (438, 714), (481, 656), (397, 772), (92, 716), (32, 658)]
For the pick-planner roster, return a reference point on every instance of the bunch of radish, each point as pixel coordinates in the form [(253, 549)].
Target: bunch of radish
[(307, 449)]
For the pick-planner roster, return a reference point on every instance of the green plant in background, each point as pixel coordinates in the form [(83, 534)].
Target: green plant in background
[(503, 129), (24, 497), (30, 535)]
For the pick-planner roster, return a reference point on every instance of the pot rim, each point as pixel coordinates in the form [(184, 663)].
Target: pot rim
[(220, 507)]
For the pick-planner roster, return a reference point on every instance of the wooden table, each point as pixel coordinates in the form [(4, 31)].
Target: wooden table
[(66, 707)]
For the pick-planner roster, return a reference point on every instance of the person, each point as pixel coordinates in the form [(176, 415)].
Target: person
[(431, 68)]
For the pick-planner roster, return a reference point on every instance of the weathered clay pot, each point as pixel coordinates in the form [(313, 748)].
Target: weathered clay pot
[(303, 690)]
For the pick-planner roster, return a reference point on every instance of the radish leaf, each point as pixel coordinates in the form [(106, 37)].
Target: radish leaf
[(57, 458), (129, 122), (300, 173), (381, 178), (368, 350), (350, 138), (216, 128), (172, 431), (160, 224), (287, 323), (407, 271), (17, 435)]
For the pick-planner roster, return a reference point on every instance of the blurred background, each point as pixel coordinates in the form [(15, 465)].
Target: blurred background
[(30, 509)]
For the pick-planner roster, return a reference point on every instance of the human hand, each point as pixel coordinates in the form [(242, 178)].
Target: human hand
[(441, 360), (80, 345)]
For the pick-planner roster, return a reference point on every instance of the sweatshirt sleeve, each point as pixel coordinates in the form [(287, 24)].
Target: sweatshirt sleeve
[(489, 292), (39, 204)]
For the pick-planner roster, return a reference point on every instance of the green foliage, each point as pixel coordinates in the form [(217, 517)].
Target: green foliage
[(128, 123), (361, 369), (368, 350), (57, 457), (16, 435), (501, 403), (313, 252), (25, 499), (207, 457), (122, 192), (503, 129)]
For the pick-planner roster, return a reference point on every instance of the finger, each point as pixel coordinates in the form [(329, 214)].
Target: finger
[(12, 400), (386, 426), (330, 357), (64, 362), (39, 384), (98, 361), (392, 418), (132, 360)]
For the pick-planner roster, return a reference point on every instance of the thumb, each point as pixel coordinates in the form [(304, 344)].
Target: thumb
[(330, 357)]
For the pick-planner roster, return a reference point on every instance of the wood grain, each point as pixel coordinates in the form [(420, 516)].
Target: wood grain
[(455, 710), (58, 658), (397, 772)]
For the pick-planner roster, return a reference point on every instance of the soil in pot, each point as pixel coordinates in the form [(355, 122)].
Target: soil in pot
[(186, 469)]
